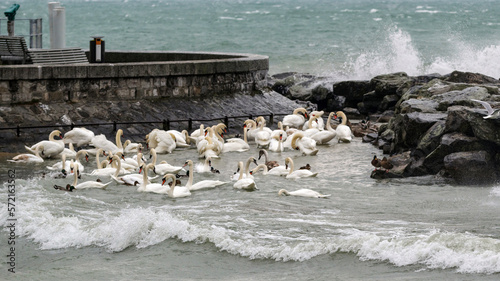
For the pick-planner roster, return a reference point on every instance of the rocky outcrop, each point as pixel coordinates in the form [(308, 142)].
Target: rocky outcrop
[(445, 131), (431, 121)]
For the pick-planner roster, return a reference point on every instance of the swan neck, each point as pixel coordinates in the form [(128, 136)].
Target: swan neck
[(75, 181), (240, 165), (118, 165), (344, 118), (153, 152), (99, 166), (191, 176), (328, 126), (119, 139), (51, 135), (290, 163), (144, 178)]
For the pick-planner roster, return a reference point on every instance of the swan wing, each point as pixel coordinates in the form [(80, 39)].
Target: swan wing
[(206, 184), (245, 184)]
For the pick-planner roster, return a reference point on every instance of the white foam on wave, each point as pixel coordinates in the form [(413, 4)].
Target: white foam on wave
[(398, 53), (115, 230)]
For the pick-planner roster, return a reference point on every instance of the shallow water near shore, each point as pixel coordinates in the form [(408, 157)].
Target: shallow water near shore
[(394, 229)]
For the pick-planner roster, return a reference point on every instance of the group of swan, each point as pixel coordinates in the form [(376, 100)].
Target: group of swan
[(303, 132)]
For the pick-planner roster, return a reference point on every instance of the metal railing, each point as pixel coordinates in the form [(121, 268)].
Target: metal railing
[(35, 29), (165, 123)]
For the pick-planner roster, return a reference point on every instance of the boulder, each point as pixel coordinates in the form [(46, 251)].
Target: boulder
[(462, 97), (414, 126), (469, 77), (471, 168), (353, 91), (451, 143), (391, 84), (418, 105)]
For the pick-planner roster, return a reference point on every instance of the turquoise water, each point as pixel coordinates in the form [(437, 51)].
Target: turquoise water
[(343, 39), (400, 229)]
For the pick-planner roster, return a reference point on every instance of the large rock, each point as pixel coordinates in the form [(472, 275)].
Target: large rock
[(471, 168), (353, 91), (414, 126), (391, 84), (462, 97), (469, 77), (451, 143)]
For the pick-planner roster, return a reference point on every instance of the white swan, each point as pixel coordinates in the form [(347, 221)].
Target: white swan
[(304, 192), (251, 127), (297, 173), (319, 124), (70, 152), (247, 184), (100, 141), (297, 119), (344, 133), (133, 179), (204, 184), (262, 134), (130, 147), (237, 144), (176, 191), (51, 147), (207, 148), (128, 163), (323, 137), (280, 129), (115, 168), (78, 136), (87, 184), (305, 144), (163, 167), (276, 143), (61, 165), (282, 171), (149, 187), (258, 168), (217, 139), (165, 142), (181, 138), (29, 158), (205, 167), (246, 171)]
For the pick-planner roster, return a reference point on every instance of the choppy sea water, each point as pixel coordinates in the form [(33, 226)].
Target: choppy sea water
[(399, 229), (342, 39)]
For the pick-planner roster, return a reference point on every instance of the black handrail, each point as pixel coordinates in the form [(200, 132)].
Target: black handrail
[(165, 122)]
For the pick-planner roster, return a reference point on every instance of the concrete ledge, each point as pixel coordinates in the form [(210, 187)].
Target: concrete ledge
[(135, 75)]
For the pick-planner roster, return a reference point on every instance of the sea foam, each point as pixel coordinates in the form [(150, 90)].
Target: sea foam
[(398, 53)]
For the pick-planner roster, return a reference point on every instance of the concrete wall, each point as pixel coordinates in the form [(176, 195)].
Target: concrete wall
[(134, 76)]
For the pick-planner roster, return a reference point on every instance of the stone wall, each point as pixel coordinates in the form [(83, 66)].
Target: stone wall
[(203, 75)]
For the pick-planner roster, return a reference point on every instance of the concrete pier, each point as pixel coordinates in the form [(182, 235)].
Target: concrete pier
[(135, 76)]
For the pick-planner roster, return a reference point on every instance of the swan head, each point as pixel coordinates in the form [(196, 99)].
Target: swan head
[(169, 176), (283, 192), (188, 162)]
